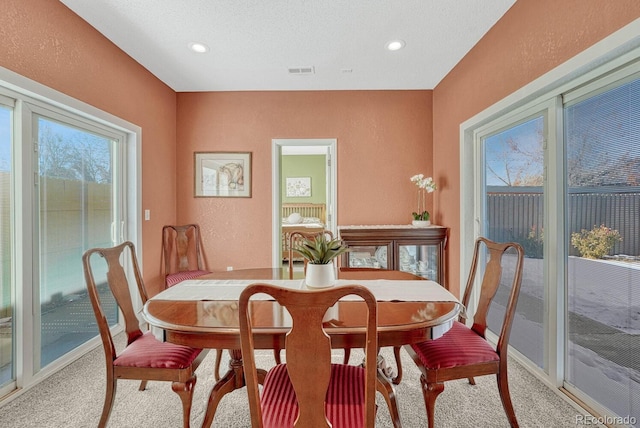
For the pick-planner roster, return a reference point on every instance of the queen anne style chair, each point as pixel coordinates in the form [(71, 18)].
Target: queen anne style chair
[(464, 352), (144, 357), (310, 391), (181, 253), (183, 260)]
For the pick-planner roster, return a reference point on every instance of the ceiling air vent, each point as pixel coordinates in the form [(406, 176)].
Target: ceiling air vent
[(300, 71)]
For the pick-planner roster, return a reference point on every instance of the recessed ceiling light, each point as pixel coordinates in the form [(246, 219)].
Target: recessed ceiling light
[(198, 47), (395, 45)]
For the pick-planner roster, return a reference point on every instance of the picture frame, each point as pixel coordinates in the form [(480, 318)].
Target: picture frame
[(298, 187), (222, 174)]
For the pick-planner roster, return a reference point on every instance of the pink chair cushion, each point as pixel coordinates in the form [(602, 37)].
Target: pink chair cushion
[(459, 346), (174, 278), (147, 351), (344, 407)]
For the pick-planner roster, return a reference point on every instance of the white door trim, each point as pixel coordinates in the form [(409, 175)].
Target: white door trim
[(332, 188)]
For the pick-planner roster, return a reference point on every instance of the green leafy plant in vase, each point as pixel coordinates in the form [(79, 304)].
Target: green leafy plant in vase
[(320, 249), (319, 252)]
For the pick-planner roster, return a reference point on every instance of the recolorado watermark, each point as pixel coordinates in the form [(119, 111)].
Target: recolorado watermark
[(605, 420)]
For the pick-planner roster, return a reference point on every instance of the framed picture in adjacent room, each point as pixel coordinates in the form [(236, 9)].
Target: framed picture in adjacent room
[(298, 187)]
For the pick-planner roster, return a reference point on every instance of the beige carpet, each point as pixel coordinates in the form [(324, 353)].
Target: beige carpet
[(73, 397)]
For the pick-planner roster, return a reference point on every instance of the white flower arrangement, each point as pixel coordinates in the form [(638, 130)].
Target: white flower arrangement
[(425, 185)]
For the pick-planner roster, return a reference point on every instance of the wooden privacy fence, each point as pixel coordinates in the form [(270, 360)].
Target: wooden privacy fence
[(516, 214), (73, 217)]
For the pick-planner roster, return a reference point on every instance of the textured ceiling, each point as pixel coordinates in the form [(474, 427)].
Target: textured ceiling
[(253, 43)]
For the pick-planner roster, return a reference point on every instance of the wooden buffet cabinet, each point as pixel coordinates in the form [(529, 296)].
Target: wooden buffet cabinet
[(419, 250)]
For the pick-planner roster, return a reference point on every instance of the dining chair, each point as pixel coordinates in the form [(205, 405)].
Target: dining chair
[(464, 352), (181, 253), (183, 260), (309, 390), (144, 357)]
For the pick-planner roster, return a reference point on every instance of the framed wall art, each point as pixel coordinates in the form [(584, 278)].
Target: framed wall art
[(223, 174), (298, 187)]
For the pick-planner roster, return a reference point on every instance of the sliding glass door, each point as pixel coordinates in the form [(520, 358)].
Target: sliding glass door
[(68, 182), (602, 137), (562, 177), (71, 180)]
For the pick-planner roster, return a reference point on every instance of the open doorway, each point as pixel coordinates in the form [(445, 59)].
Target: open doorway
[(309, 168)]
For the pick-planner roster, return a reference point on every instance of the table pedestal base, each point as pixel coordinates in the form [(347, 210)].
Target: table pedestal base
[(385, 387), (232, 380)]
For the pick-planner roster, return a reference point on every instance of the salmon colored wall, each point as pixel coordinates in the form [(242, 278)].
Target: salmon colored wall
[(384, 137), (532, 38), (46, 42)]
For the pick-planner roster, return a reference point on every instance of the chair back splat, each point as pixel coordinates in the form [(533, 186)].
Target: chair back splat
[(181, 253), (308, 390), (144, 358), (490, 283), (464, 352)]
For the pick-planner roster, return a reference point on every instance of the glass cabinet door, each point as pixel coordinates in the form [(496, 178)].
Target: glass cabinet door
[(420, 251), (419, 259), (370, 256)]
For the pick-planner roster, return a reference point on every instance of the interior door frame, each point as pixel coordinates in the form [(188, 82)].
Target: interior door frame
[(276, 179)]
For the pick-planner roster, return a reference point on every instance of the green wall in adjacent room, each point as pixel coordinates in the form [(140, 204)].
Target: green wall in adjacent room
[(304, 166)]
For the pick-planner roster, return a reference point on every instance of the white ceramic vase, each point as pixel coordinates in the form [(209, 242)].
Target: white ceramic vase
[(320, 276), (421, 223)]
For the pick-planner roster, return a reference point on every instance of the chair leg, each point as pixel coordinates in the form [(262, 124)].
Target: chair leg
[(505, 397), (472, 381), (143, 385), (430, 391), (216, 373), (396, 352), (185, 392), (347, 355), (109, 395)]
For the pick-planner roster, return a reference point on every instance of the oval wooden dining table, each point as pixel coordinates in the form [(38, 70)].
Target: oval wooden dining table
[(213, 324)]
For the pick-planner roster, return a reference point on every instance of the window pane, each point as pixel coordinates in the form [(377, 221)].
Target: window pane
[(6, 289), (76, 213), (513, 177), (602, 135)]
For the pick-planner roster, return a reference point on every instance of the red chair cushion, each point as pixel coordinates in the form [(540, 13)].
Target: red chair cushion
[(459, 346), (344, 406), (147, 351), (174, 278)]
